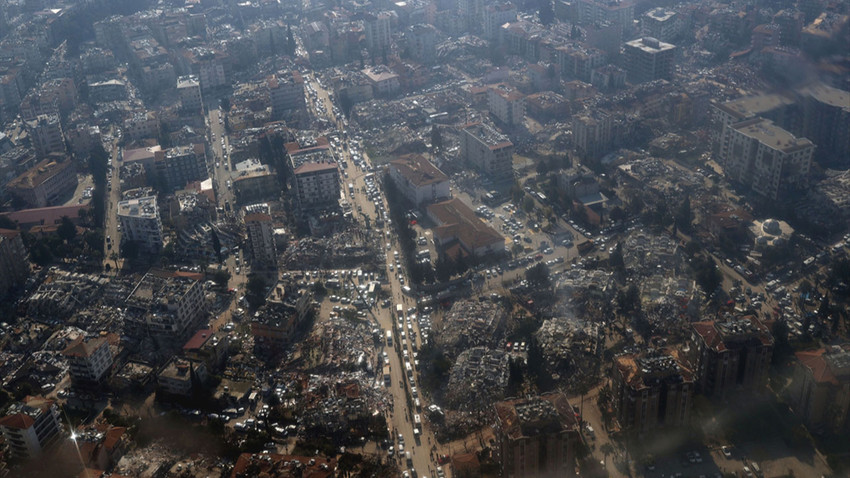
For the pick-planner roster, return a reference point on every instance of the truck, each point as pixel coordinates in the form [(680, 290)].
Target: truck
[(399, 312), (387, 378), (389, 335)]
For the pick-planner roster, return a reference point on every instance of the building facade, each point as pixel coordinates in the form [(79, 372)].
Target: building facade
[(649, 59), (487, 150), (45, 134), (89, 361), (189, 89), (820, 389), (260, 229), (651, 391), (14, 266), (420, 181), (507, 104), (46, 183), (140, 222), (31, 426)]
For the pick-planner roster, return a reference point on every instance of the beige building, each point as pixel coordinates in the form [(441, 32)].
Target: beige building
[(166, 305), (315, 176), (820, 389), (31, 426), (487, 150), (649, 59), (537, 437), (253, 181), (420, 181), (140, 222), (45, 134), (189, 89), (260, 229), (383, 80), (180, 375), (89, 360), (46, 183), (507, 104), (286, 93), (457, 224)]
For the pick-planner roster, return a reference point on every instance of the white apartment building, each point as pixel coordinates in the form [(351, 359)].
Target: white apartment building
[(286, 92), (507, 104), (31, 426), (497, 15), (378, 29), (766, 157), (317, 184), (166, 305), (420, 181), (140, 222), (141, 125), (45, 133), (260, 229), (89, 360), (488, 150), (661, 23), (189, 89)]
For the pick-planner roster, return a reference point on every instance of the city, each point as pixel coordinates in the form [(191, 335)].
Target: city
[(425, 238)]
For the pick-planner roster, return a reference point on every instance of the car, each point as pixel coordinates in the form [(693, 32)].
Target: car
[(727, 451)]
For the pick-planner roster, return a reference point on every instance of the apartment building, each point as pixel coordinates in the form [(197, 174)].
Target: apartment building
[(260, 229), (30, 427), (495, 15), (651, 390), (662, 23), (620, 12), (141, 125), (181, 165), (420, 181), (593, 134), (421, 42), (46, 183), (765, 157), (165, 305), (537, 436), (378, 30), (730, 355), (315, 176), (649, 59), (189, 90), (507, 104), (826, 121), (253, 181), (140, 222), (89, 361), (487, 150), (820, 388), (286, 93), (179, 376), (45, 134), (14, 267)]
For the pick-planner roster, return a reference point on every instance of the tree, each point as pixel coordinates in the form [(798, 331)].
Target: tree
[(538, 275), (6, 223), (575, 33), (684, 216), (221, 277), (442, 269), (290, 41), (67, 230), (546, 12), (216, 245), (616, 258), (436, 138), (256, 288)]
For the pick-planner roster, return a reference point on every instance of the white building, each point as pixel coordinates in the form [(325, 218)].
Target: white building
[(31, 426), (258, 224), (383, 80), (176, 378), (649, 59), (315, 177), (45, 133), (141, 125), (662, 23), (507, 104), (497, 15), (189, 89), (488, 150), (286, 92), (378, 29), (165, 305), (89, 360), (420, 181), (766, 157), (140, 222)]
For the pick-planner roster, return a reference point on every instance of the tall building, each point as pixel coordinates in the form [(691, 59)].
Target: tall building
[(14, 267), (165, 305), (621, 12), (258, 224), (31, 426), (651, 390), (89, 361), (378, 29), (495, 15), (46, 183), (781, 109), (826, 121), (820, 389), (189, 89), (731, 355), (421, 42), (537, 437), (140, 222), (649, 59), (420, 181), (507, 104), (45, 133), (315, 176), (661, 23), (765, 157), (593, 134), (286, 93), (181, 165), (487, 150)]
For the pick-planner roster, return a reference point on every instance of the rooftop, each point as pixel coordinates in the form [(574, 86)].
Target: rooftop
[(458, 220), (650, 45), (418, 170), (40, 173), (750, 106), (141, 207), (546, 414), (488, 135), (772, 136), (83, 348)]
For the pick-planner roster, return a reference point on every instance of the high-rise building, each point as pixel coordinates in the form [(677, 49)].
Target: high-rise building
[(181, 165), (826, 121), (165, 305), (496, 15), (507, 104), (140, 222), (651, 390), (649, 59), (189, 89), (378, 29), (421, 42), (593, 134), (31, 426), (621, 12), (89, 361), (258, 224), (14, 267), (537, 437), (46, 183), (661, 23), (45, 133), (765, 157), (286, 93), (820, 388), (487, 150), (731, 355), (315, 176)]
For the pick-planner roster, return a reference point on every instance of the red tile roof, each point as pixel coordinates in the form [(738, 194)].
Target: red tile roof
[(815, 362), (19, 420), (83, 348), (198, 339)]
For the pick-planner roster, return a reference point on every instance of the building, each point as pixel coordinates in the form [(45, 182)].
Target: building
[(378, 30), (593, 134), (30, 427), (46, 183), (487, 150), (273, 465), (507, 104), (89, 361), (258, 224), (182, 376), (578, 62), (731, 355), (826, 120), (207, 346), (253, 181), (14, 267), (189, 89), (420, 181), (107, 90), (765, 157), (286, 93), (383, 80), (180, 165), (495, 15), (421, 40), (620, 12), (537, 437), (165, 305), (820, 389), (141, 125), (315, 176), (140, 222), (661, 23), (275, 325), (651, 390), (45, 134), (781, 109), (458, 224), (649, 59)]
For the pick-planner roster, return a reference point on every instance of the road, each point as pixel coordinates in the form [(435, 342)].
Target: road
[(112, 236), (400, 416)]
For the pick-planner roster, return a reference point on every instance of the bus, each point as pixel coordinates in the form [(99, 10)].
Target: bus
[(389, 338)]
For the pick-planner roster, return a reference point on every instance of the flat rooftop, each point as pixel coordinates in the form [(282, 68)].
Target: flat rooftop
[(770, 135), (141, 207)]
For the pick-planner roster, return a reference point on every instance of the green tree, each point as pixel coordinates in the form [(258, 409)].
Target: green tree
[(684, 217), (256, 288), (436, 138), (216, 245), (538, 275), (221, 277), (290, 41), (616, 258), (67, 230), (546, 12)]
